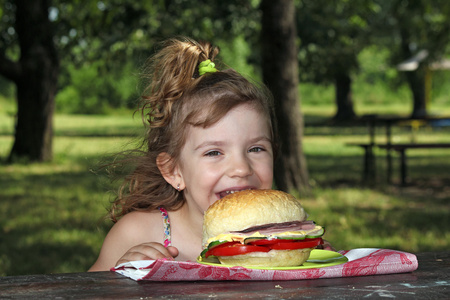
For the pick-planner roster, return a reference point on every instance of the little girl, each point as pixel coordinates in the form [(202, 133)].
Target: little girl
[(210, 133)]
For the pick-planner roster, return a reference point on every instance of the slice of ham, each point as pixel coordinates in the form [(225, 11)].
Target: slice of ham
[(272, 228)]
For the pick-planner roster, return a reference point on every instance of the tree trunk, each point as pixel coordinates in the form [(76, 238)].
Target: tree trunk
[(344, 101), (280, 73), (416, 82), (415, 79), (36, 82)]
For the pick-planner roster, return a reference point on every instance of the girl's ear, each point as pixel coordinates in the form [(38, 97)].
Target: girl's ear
[(170, 172)]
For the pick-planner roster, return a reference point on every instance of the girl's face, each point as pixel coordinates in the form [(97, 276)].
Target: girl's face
[(232, 155)]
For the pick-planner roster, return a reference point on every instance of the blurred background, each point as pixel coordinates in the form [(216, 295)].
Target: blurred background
[(69, 85)]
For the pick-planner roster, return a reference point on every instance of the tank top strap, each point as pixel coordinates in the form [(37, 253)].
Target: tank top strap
[(166, 224)]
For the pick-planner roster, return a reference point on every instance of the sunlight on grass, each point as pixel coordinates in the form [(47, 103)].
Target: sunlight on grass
[(98, 125)]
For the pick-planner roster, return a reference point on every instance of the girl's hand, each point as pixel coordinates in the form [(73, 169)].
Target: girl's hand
[(148, 251)]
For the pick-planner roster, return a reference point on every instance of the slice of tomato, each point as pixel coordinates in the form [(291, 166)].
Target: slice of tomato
[(215, 245), (220, 244), (236, 249), (292, 245), (263, 245)]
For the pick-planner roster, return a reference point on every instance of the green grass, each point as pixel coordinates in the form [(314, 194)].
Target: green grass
[(52, 214), (413, 218)]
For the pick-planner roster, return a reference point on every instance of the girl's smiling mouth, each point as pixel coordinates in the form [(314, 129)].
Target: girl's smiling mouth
[(222, 194)]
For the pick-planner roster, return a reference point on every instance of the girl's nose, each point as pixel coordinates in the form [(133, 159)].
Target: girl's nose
[(240, 166)]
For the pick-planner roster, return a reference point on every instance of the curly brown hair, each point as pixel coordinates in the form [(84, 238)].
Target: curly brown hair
[(174, 98)]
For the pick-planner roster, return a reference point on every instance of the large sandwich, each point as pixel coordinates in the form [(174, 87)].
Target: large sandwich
[(260, 228)]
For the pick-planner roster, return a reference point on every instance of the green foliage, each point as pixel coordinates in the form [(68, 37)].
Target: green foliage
[(331, 36), (377, 83), (374, 65), (102, 47), (99, 60), (316, 95), (92, 90), (6, 88), (7, 107), (416, 25), (440, 94), (236, 55)]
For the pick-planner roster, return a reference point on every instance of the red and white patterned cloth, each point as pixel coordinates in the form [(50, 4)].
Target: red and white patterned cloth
[(361, 262)]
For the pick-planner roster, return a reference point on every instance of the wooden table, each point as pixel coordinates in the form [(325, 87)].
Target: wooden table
[(430, 281), (372, 122), (401, 148)]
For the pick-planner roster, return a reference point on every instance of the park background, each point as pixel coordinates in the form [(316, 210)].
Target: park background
[(53, 212)]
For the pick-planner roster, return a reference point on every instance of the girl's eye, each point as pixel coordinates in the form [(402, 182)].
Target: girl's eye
[(256, 149), (212, 153)]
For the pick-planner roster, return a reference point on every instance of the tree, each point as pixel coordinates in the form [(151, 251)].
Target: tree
[(35, 74), (110, 31), (280, 74), (332, 34), (417, 26)]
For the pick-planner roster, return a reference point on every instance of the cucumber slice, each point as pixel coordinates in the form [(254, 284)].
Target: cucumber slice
[(252, 239), (316, 234), (216, 243), (203, 253), (212, 245)]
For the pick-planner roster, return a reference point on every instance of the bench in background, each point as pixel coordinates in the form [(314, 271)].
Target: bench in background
[(369, 161), (369, 158), (401, 148)]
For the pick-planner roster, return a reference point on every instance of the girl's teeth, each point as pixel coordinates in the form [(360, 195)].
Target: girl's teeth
[(223, 194)]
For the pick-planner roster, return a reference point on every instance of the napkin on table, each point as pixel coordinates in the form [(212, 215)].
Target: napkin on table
[(361, 262)]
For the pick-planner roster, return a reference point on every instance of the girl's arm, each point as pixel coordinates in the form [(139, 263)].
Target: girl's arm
[(130, 239)]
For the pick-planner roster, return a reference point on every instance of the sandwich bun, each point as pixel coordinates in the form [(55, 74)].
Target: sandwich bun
[(272, 259), (250, 208), (244, 210)]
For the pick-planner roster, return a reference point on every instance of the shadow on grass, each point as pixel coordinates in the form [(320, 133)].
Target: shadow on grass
[(429, 173), (415, 229), (53, 222), (24, 254), (413, 217)]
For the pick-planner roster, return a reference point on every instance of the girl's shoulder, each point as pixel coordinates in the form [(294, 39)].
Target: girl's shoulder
[(131, 230), (140, 224), (138, 218)]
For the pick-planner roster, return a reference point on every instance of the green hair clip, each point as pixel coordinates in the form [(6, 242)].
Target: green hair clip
[(206, 66)]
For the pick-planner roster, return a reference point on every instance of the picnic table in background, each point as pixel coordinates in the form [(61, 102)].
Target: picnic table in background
[(373, 121)]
